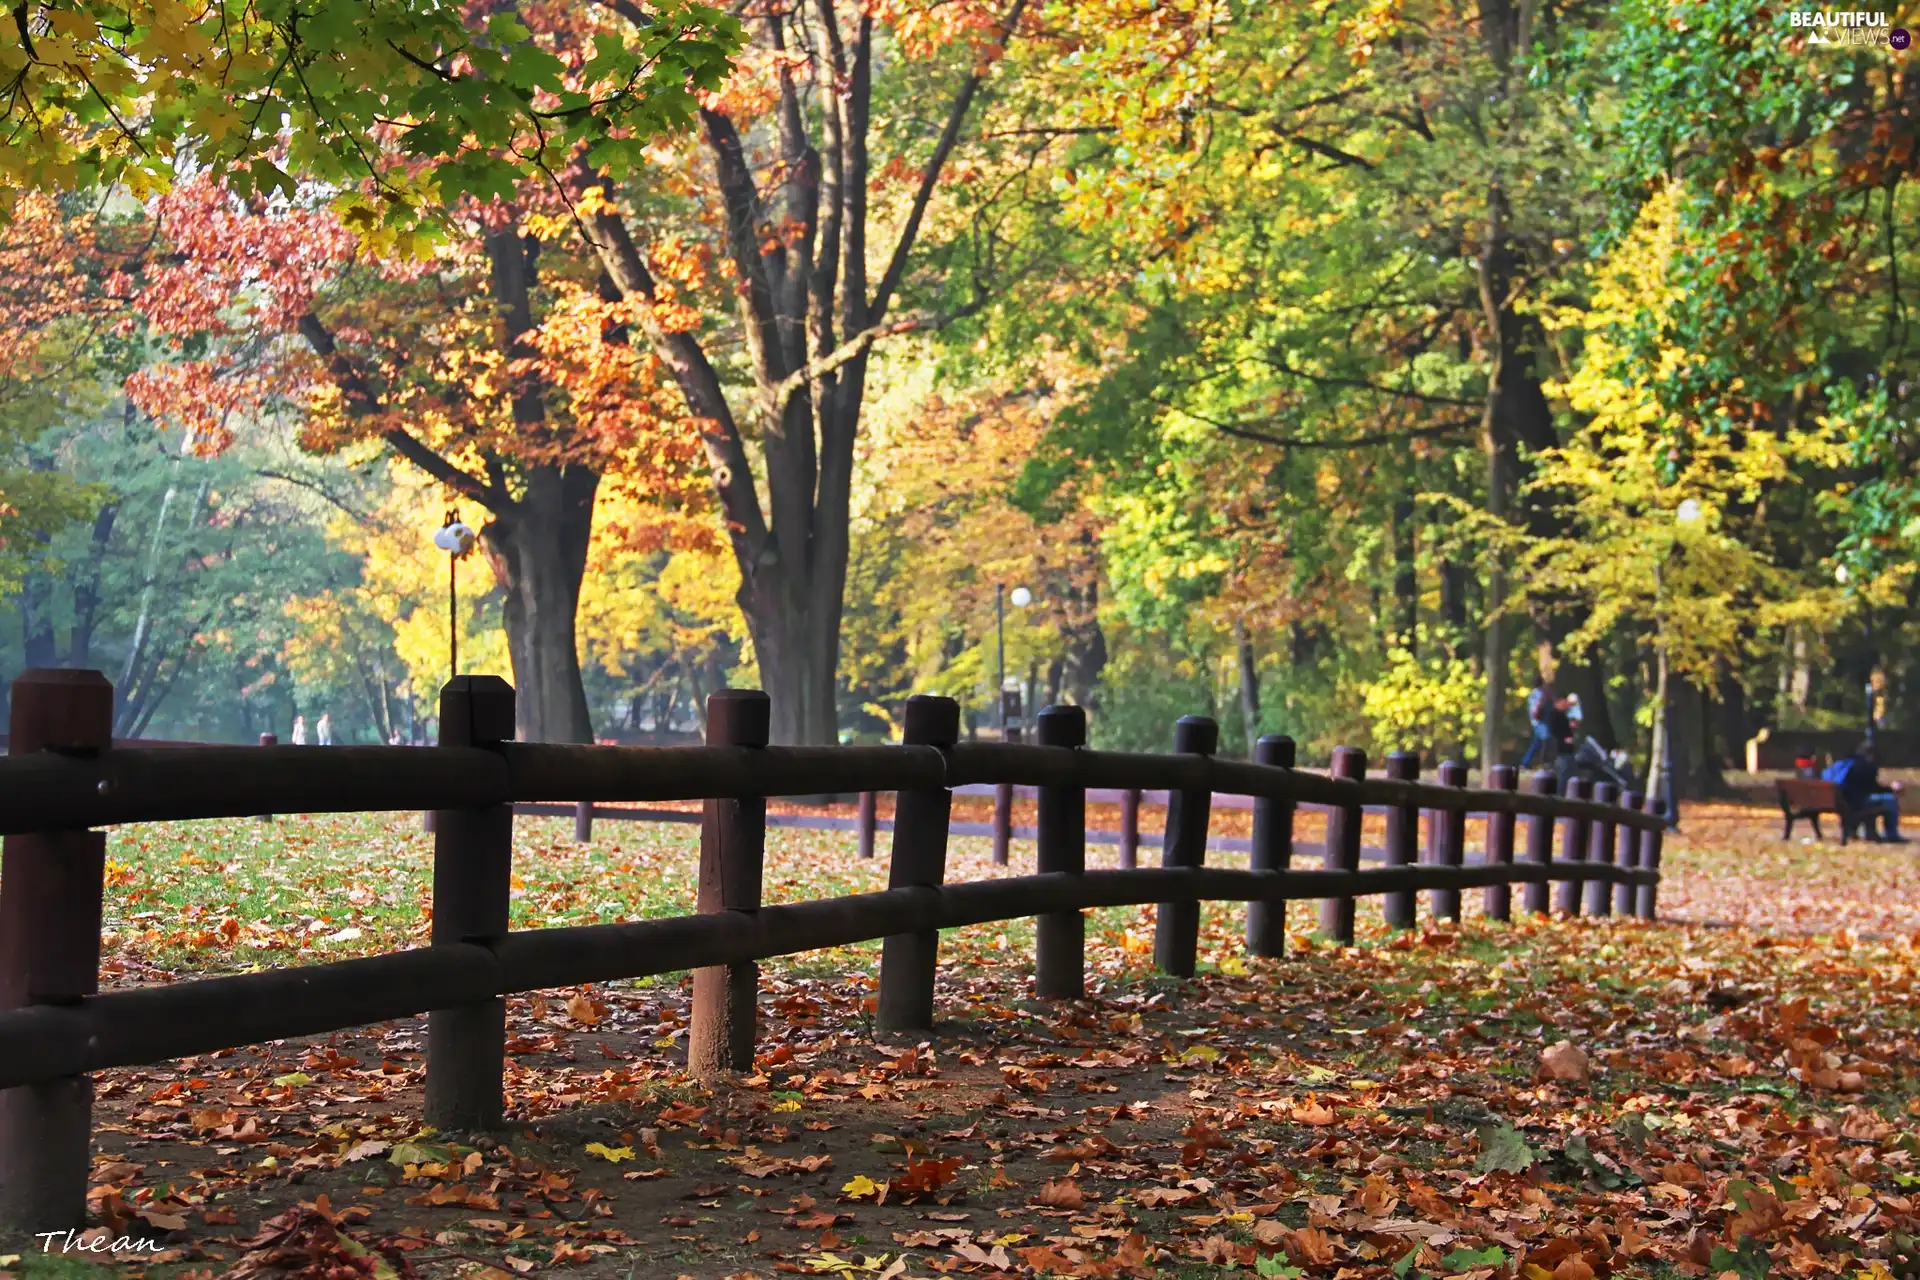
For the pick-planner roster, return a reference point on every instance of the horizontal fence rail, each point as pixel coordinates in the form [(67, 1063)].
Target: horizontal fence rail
[(50, 791), (65, 777)]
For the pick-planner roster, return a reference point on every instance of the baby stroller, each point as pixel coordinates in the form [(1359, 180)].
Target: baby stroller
[(1589, 760)]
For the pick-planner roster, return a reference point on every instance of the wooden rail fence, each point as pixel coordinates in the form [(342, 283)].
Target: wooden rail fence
[(64, 778)]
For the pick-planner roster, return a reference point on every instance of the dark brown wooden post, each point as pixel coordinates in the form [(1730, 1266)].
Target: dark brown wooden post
[(583, 822), (1538, 897), (50, 890), (1628, 854), (1272, 850), (472, 886), (733, 849), (1573, 847), (1600, 852), (1403, 840), (1176, 925), (920, 819), (1450, 845), (869, 822), (1648, 899), (1497, 899), (1130, 828), (1060, 936), (1003, 811), (1343, 846), (269, 740)]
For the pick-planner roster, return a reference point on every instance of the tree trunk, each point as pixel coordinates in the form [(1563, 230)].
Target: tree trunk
[(1734, 728), (537, 547), (86, 588), (1406, 591), (1249, 685)]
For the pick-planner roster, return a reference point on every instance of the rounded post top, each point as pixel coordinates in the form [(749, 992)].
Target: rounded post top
[(1633, 800), (1503, 777), (60, 709), (269, 739), (930, 721), (1062, 726), (1579, 788), (476, 711), (1349, 762), (1606, 793), (1453, 773), (1274, 749), (1403, 766), (1541, 783), (739, 718), (1197, 735)]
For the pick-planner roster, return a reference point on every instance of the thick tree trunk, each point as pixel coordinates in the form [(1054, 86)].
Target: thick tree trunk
[(537, 547)]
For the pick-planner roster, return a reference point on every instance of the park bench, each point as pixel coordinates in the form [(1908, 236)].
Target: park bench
[(1809, 798)]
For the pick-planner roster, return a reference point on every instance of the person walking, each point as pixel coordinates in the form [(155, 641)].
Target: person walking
[(1537, 702), (1858, 778), (299, 734), (323, 730)]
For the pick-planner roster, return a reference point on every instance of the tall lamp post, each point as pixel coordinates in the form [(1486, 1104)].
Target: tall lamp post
[(1021, 599), (456, 539)]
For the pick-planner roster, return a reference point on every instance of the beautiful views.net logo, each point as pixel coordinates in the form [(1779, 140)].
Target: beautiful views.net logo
[(1849, 27)]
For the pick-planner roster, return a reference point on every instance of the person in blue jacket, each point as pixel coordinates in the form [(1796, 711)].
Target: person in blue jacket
[(1858, 777)]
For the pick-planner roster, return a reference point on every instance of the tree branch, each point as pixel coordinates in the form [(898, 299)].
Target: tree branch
[(930, 176), (361, 402)]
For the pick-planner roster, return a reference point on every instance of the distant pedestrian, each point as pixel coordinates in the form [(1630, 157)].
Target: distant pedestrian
[(1537, 703), (323, 730), (1574, 713), (299, 731), (395, 740)]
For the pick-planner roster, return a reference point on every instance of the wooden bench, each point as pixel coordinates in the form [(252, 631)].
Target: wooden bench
[(1809, 798)]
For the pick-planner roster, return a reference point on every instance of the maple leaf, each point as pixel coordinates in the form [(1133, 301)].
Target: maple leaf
[(612, 1155), (861, 1187), (1502, 1148), (1061, 1194), (1565, 1061)]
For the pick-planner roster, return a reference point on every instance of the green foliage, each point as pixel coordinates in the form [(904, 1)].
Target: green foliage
[(409, 94)]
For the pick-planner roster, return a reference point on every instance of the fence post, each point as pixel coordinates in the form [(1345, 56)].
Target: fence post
[(1130, 829), (583, 822), (1060, 936), (1176, 925), (51, 884), (1496, 900), (268, 740), (1003, 810), (733, 849), (1573, 848), (1627, 854), (1539, 895), (1600, 852), (1403, 839), (1648, 899), (919, 859), (472, 886), (869, 823), (1450, 842), (1272, 851), (1343, 845)]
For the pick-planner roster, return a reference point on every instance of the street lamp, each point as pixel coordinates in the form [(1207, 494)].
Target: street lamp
[(456, 539), (1021, 599)]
